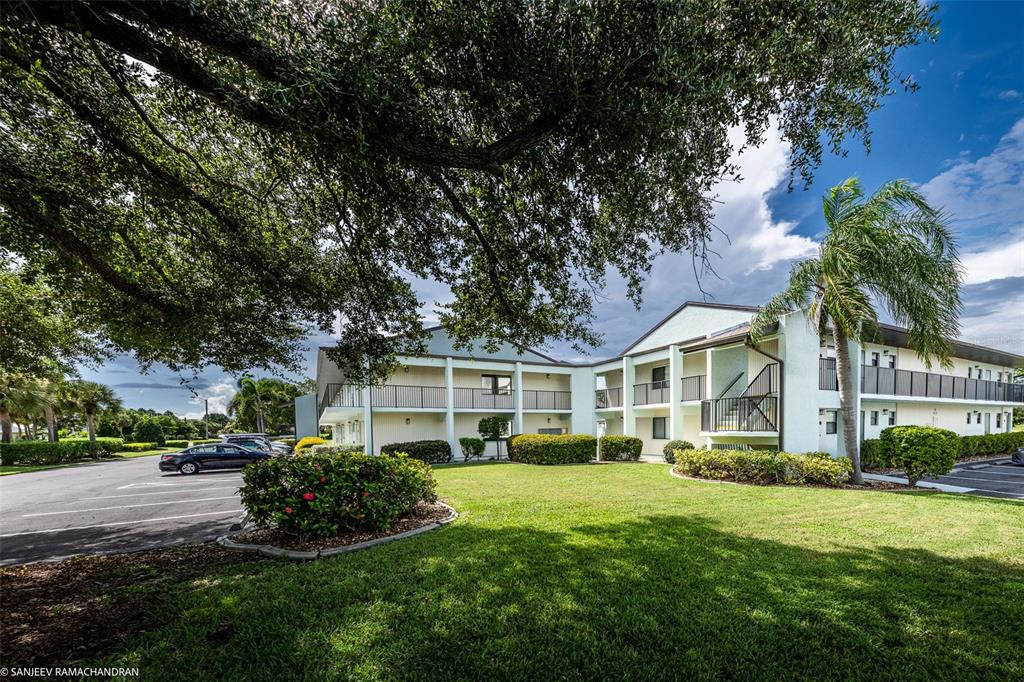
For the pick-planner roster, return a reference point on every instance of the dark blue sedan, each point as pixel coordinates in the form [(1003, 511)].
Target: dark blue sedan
[(213, 456)]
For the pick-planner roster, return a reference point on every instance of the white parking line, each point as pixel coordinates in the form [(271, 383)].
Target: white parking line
[(149, 484), (119, 523), (985, 480), (128, 506), (158, 492)]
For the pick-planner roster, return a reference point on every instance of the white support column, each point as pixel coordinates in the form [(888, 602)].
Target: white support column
[(628, 379), (517, 383), (367, 422), (449, 403), (675, 393), (708, 385), (582, 384)]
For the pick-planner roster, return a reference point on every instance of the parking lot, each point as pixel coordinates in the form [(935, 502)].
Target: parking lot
[(992, 478), (111, 507)]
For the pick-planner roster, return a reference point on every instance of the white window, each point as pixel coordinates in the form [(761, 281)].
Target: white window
[(892, 417), (874, 358), (977, 417), (658, 429), (970, 372), (968, 417), (999, 420), (830, 421), (988, 374), (891, 361), (874, 417)]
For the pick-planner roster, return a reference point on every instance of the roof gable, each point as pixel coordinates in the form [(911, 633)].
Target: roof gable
[(691, 319)]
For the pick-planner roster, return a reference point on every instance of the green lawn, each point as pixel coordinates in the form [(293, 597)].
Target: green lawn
[(8, 470), (622, 572)]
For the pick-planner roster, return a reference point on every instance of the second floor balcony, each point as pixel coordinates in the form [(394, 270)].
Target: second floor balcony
[(400, 396), (877, 380)]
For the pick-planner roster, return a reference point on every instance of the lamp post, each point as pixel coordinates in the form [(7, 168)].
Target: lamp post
[(206, 417)]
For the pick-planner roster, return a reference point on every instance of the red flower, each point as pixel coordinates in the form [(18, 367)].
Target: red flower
[(308, 497), (323, 480), (366, 493), (287, 510)]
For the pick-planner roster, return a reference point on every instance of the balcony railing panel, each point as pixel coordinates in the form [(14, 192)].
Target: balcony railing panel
[(482, 399), (753, 413), (912, 383), (651, 394), (546, 400), (341, 395), (693, 387), (608, 397), (394, 395), (827, 378)]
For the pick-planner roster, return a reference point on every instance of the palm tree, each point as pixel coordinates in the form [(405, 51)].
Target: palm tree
[(21, 396), (91, 398), (891, 250), (254, 399)]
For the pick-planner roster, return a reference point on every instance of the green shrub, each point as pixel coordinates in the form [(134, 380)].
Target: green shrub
[(34, 452), (471, 447), (669, 451), (536, 448), (322, 495), (308, 442), (177, 443), (816, 468), (290, 442), (148, 430), (138, 447), (920, 450), (872, 456), (764, 466), (204, 441), (429, 451), (620, 448), (991, 444)]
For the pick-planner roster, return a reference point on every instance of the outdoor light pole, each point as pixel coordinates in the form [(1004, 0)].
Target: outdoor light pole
[(206, 418)]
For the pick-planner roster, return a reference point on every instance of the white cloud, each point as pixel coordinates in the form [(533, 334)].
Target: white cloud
[(985, 198), (999, 261), (1009, 94), (219, 395)]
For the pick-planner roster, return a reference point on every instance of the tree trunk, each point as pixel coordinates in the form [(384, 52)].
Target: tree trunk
[(51, 424), (91, 426), (5, 425), (848, 404)]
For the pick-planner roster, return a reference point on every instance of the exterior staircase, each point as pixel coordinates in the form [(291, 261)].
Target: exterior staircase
[(755, 409)]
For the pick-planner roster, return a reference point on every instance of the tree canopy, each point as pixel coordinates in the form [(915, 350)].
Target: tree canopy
[(208, 181)]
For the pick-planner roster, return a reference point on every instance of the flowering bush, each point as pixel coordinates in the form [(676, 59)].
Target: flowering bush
[(308, 442), (321, 495)]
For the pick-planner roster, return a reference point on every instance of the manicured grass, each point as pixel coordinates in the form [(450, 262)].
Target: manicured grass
[(621, 572), (8, 470)]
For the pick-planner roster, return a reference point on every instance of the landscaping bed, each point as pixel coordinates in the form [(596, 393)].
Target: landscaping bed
[(868, 485), (421, 516)]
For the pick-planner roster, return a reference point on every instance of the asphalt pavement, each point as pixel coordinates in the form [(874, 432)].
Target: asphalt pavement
[(118, 506)]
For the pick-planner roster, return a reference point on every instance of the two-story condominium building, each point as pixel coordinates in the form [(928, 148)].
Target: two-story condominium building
[(695, 376)]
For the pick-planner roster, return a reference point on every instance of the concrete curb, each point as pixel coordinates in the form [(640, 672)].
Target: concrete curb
[(944, 487), (227, 543)]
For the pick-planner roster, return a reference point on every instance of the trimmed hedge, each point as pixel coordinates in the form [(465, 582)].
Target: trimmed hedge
[(36, 452), (874, 455), (537, 448), (321, 495), (138, 447), (337, 449), (764, 466), (429, 451), (920, 450), (621, 448), (471, 447), (669, 451)]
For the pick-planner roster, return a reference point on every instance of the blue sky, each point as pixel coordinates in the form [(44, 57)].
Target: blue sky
[(960, 137)]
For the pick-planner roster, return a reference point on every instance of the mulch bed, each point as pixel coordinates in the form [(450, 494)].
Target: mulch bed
[(422, 515), (66, 611)]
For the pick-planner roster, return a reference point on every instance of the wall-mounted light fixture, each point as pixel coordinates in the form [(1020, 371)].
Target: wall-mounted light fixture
[(885, 411), (408, 421), (547, 376), (549, 420), (406, 368)]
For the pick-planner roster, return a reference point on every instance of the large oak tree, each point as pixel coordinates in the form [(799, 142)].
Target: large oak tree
[(206, 181)]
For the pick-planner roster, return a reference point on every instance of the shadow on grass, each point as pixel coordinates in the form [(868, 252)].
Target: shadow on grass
[(653, 598)]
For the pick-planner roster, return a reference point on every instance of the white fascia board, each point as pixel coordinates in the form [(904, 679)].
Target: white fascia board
[(652, 356), (417, 361)]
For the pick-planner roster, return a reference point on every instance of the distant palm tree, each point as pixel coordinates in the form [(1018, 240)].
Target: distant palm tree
[(255, 399), (91, 398), (890, 249), (23, 397)]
